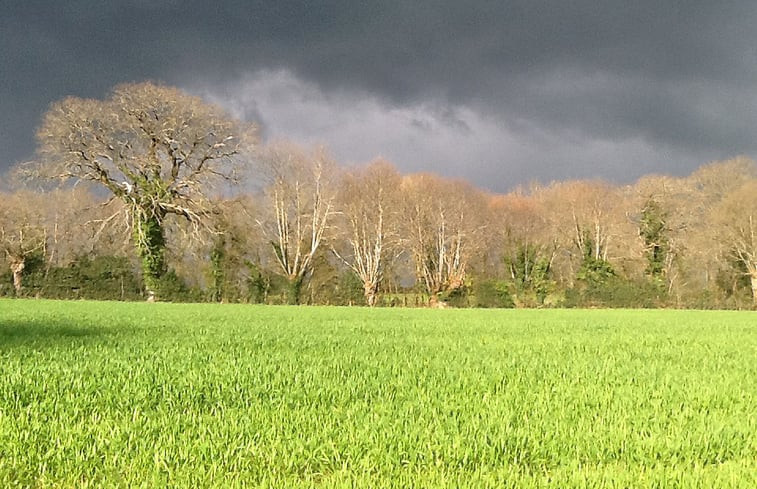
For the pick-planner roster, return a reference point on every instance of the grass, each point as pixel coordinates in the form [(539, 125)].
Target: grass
[(160, 395)]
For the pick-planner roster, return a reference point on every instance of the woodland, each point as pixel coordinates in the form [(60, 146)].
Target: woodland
[(154, 194)]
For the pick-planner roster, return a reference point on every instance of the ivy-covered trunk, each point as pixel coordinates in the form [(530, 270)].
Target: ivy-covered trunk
[(217, 272), (151, 246), (294, 290)]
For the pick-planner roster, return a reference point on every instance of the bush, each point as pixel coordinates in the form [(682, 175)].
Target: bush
[(348, 290), (173, 289), (492, 294), (616, 292), (99, 278), (459, 297)]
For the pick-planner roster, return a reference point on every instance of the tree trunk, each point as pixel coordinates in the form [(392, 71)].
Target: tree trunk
[(369, 291), (17, 268), (294, 290), (753, 278), (217, 256), (151, 245), (435, 302)]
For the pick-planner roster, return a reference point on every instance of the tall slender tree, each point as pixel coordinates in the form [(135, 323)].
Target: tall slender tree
[(443, 223), (654, 232), (735, 219), (368, 202), (301, 197)]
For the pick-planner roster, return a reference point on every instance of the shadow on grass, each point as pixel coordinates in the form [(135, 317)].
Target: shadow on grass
[(14, 333)]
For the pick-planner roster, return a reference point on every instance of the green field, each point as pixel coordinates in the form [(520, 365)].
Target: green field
[(162, 395)]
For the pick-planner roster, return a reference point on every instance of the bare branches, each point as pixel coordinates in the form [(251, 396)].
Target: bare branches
[(22, 231), (735, 223), (442, 224), (301, 199), (166, 147), (368, 203), (156, 148)]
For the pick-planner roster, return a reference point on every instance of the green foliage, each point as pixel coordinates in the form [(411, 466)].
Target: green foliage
[(595, 272), (149, 238), (34, 263), (166, 395), (217, 272), (734, 278), (480, 293), (615, 292), (492, 294), (294, 290), (32, 276), (348, 290), (530, 273), (653, 229), (734, 283), (258, 283), (6, 284), (173, 289), (457, 297), (98, 278)]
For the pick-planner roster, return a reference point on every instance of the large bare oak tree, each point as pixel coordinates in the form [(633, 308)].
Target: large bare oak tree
[(156, 148)]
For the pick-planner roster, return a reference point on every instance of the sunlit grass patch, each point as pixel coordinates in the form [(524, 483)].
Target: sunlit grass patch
[(151, 395)]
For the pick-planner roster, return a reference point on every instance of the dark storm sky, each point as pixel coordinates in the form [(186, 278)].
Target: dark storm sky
[(498, 92)]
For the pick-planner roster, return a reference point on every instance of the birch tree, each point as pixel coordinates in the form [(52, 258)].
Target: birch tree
[(589, 219), (367, 207), (529, 247), (440, 230), (735, 221), (301, 197)]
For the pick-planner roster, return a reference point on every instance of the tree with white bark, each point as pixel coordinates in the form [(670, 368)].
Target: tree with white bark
[(367, 204), (300, 195), (735, 222), (442, 223), (589, 220)]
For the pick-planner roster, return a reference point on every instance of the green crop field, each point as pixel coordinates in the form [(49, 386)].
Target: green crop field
[(162, 395)]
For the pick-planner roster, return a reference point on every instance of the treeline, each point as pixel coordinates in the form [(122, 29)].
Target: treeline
[(176, 202)]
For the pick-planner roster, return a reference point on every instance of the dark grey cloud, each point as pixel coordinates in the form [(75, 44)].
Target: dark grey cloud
[(495, 91)]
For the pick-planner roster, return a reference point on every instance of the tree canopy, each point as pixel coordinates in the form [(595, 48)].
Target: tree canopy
[(156, 148)]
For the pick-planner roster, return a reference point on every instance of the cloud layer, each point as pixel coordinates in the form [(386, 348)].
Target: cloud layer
[(500, 93)]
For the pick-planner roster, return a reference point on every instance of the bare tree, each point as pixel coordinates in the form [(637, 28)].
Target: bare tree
[(78, 224), (301, 198), (527, 243), (735, 223), (441, 229), (670, 201), (22, 231), (367, 204), (156, 148), (692, 203), (589, 220)]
